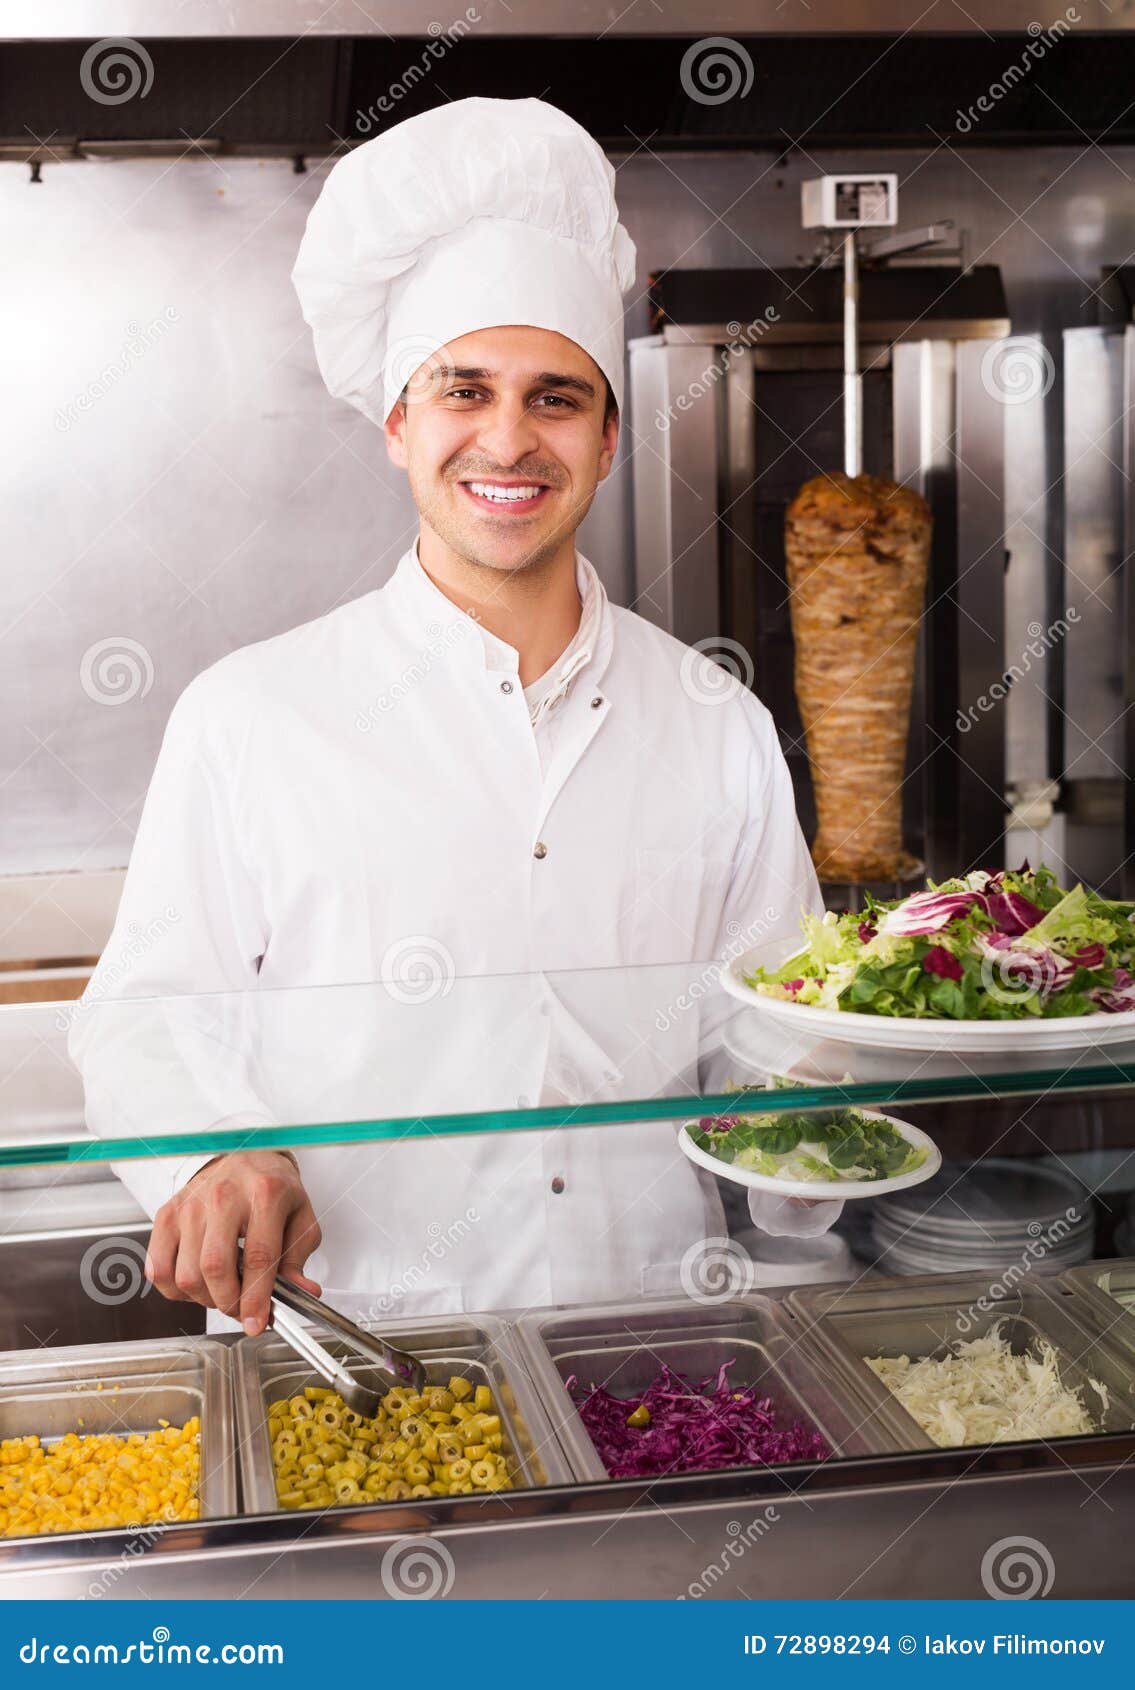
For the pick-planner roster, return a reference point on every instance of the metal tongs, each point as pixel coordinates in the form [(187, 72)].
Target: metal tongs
[(398, 1367)]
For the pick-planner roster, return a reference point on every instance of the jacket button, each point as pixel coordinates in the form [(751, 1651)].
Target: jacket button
[(506, 686), (540, 850), (595, 703), (557, 1185)]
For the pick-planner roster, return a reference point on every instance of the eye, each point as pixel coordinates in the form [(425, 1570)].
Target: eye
[(463, 393), (555, 401)]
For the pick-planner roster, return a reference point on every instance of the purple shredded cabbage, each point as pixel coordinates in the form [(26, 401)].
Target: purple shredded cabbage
[(694, 1428)]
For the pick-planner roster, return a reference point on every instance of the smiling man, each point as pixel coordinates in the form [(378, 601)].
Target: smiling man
[(505, 435), (484, 761)]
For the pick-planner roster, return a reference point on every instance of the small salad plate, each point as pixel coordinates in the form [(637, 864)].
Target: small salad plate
[(881, 1132)]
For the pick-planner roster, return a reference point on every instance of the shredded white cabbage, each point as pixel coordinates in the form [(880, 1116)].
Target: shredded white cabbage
[(981, 1393)]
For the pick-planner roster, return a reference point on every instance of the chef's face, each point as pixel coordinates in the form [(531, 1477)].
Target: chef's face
[(505, 435)]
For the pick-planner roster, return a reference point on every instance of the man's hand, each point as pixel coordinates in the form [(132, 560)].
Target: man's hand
[(256, 1195)]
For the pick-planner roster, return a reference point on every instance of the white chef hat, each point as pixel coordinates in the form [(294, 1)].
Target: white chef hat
[(477, 214)]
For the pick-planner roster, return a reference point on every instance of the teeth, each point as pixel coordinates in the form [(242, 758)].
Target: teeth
[(503, 495)]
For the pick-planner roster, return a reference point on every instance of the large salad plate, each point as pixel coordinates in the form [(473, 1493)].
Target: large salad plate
[(1035, 1034)]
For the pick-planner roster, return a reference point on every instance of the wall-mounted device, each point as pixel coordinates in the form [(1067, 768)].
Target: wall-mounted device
[(850, 201)]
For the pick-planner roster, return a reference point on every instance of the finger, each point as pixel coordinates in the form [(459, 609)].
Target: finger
[(302, 1237), (187, 1269), (263, 1242), (161, 1253), (223, 1216)]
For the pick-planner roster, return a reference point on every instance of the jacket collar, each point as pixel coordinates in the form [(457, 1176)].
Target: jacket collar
[(445, 626)]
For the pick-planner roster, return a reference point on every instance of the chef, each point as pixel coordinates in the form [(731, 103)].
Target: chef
[(483, 776)]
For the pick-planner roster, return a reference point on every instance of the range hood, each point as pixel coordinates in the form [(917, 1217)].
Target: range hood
[(309, 78), (88, 20)]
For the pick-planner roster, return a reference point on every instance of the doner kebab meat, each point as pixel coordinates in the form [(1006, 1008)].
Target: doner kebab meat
[(857, 550)]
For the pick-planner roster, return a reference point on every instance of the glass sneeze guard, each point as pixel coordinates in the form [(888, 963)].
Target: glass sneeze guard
[(438, 1056)]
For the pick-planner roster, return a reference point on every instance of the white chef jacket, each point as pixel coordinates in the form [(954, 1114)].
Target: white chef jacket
[(365, 798)]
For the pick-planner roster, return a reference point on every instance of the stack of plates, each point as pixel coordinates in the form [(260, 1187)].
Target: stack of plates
[(989, 1214)]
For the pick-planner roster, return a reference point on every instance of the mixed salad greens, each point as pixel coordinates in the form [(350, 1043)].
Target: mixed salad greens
[(816, 1145), (983, 947)]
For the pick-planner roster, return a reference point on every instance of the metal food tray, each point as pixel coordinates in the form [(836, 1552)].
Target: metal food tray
[(49, 1391), (1093, 1289), (480, 1347), (922, 1316), (623, 1346)]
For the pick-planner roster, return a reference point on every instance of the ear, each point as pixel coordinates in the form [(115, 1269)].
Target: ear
[(394, 428), (609, 445)]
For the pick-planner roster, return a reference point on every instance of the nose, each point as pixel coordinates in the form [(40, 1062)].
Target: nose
[(508, 432)]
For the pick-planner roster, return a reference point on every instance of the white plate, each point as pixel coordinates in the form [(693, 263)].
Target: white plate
[(822, 1189), (898, 1032)]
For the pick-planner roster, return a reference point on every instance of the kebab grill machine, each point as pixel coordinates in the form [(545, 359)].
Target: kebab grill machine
[(863, 604)]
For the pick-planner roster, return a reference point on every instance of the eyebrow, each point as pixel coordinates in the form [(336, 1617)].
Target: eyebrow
[(546, 378)]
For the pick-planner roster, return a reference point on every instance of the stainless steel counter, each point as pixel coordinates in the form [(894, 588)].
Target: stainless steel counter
[(896, 1522)]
